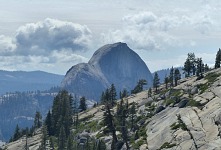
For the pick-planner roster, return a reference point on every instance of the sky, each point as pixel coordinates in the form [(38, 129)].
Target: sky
[(53, 35)]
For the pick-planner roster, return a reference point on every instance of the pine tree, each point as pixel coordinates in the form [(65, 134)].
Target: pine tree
[(48, 123), (171, 77), (44, 137), (124, 131), (218, 59), (102, 99), (101, 145), (177, 76), (139, 87), (37, 120), (124, 93), (113, 94), (83, 105), (192, 59), (166, 81), (75, 112), (62, 113), (62, 139), (199, 67), (187, 67), (109, 122), (156, 81), (132, 113), (149, 92), (206, 68), (17, 133), (70, 143)]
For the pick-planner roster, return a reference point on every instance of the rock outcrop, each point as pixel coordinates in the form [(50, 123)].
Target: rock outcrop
[(111, 64)]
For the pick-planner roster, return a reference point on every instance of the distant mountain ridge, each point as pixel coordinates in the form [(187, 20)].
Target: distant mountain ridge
[(113, 63), (12, 81)]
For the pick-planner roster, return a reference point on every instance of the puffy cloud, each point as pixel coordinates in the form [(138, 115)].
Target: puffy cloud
[(148, 31), (46, 44), (46, 36), (6, 45)]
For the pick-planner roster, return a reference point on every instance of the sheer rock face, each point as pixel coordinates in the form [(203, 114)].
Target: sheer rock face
[(112, 63)]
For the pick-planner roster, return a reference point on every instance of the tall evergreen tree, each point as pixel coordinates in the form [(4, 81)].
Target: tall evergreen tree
[(187, 67), (17, 133), (124, 131), (177, 76), (171, 77), (200, 68), (44, 137), (149, 92), (48, 123), (102, 99), (109, 122), (75, 112), (83, 105), (218, 59), (166, 81), (113, 94), (62, 139), (123, 94), (70, 143), (206, 68), (132, 114), (37, 120), (62, 113), (139, 87), (156, 81), (192, 59)]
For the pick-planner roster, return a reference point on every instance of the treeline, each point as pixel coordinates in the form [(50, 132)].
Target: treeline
[(194, 66), (27, 132), (20, 108)]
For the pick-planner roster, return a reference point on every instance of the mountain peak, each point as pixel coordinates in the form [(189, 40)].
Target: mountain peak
[(111, 64)]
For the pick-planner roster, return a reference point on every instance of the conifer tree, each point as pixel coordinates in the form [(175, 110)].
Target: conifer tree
[(187, 67), (83, 105), (70, 143), (102, 99), (109, 122), (149, 92), (192, 59), (132, 113), (17, 133), (124, 131), (139, 87), (48, 123), (113, 94), (101, 145), (199, 67), (62, 139), (37, 120), (44, 137), (171, 77), (156, 81), (166, 81), (206, 68), (177, 76), (75, 112), (123, 94), (218, 59), (62, 113)]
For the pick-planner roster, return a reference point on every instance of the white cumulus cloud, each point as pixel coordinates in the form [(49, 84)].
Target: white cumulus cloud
[(46, 36)]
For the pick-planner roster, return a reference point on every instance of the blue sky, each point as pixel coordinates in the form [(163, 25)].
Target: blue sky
[(53, 35)]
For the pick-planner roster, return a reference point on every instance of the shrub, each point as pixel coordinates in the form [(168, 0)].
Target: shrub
[(167, 145)]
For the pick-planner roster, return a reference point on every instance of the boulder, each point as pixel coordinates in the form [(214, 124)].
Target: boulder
[(194, 90), (159, 109), (183, 103)]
